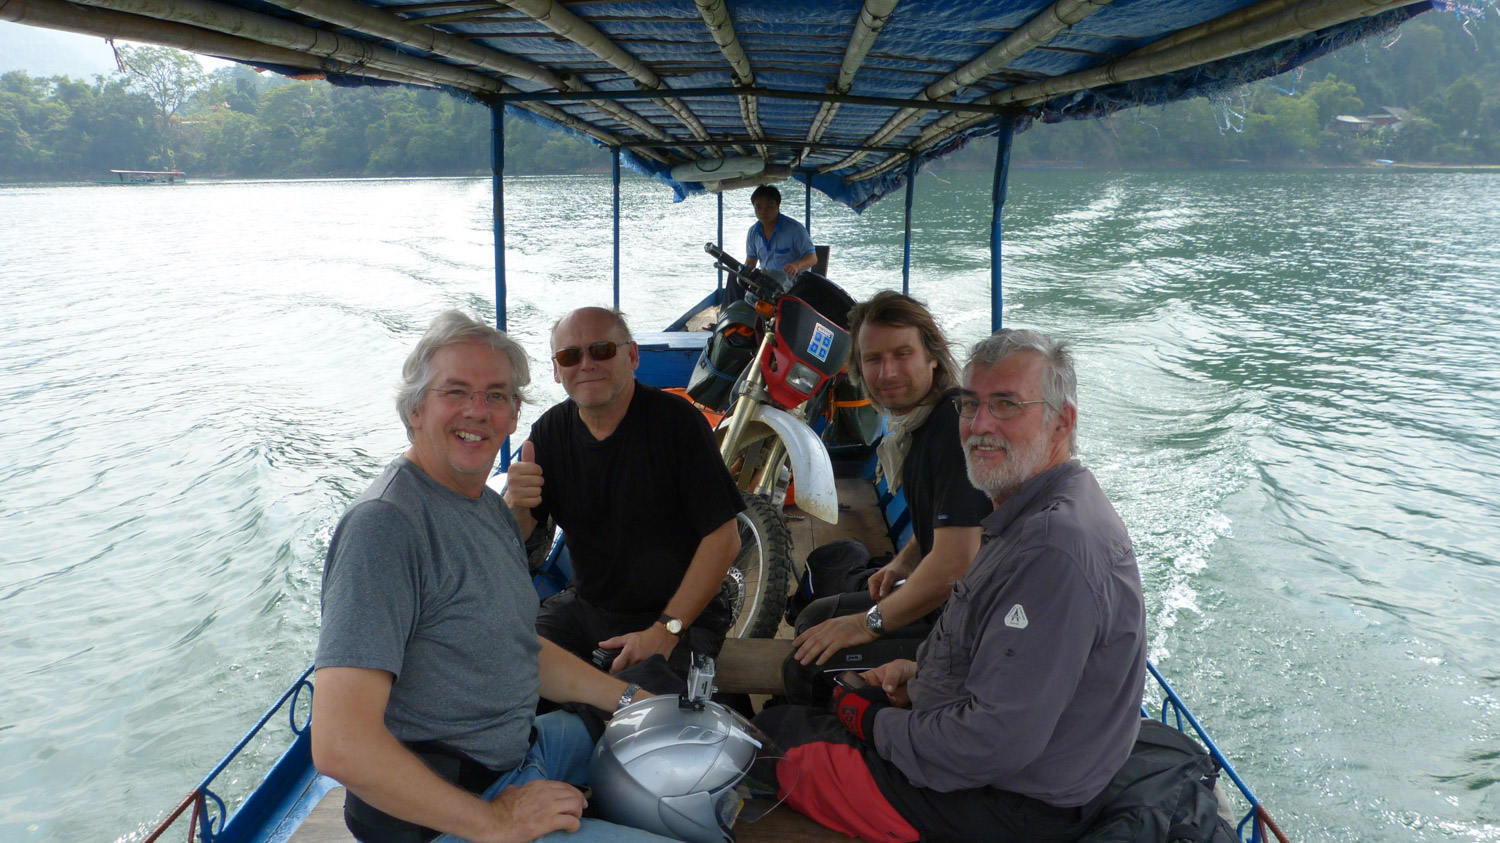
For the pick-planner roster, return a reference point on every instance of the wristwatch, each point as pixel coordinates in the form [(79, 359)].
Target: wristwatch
[(627, 696), (672, 624), (873, 621)]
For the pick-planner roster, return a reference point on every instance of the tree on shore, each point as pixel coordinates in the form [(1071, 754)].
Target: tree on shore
[(169, 77)]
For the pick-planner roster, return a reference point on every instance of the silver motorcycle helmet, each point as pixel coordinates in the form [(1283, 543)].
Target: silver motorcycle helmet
[(684, 767)]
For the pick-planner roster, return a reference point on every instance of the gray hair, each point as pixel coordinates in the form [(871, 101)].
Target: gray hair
[(1059, 380), (619, 317), (452, 327)]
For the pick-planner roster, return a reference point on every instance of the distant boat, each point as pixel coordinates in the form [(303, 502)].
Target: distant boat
[(147, 177)]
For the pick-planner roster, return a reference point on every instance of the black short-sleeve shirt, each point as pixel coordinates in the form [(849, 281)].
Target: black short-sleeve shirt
[(635, 506), (935, 480)]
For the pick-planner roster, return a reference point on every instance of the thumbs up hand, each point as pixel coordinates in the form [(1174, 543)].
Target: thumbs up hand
[(523, 484)]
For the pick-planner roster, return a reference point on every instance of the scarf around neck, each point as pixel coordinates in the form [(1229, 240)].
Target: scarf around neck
[(897, 441)]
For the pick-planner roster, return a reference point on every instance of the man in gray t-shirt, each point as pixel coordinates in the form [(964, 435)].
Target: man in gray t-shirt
[(428, 663), (1024, 701)]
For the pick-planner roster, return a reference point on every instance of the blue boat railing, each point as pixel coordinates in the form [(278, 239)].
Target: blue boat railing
[(1257, 820), (211, 818)]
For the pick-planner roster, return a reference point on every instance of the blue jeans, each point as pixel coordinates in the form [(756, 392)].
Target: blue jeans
[(561, 753)]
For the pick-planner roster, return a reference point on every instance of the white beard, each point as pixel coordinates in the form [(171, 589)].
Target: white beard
[(1023, 461)]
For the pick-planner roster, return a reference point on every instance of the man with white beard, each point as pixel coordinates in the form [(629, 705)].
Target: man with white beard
[(1024, 701)]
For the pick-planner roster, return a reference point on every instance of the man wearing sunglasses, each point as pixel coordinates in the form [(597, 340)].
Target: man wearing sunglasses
[(1024, 702), (632, 477)]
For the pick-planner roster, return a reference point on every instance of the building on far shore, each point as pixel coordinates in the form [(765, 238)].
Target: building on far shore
[(1388, 115)]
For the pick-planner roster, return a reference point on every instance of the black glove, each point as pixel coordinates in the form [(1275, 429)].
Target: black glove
[(857, 709)]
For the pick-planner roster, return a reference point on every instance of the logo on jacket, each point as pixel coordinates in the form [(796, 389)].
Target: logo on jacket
[(1016, 617)]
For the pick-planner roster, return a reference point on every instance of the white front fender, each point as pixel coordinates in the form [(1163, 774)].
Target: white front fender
[(811, 468)]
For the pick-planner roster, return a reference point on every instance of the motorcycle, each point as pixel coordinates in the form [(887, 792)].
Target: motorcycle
[(770, 363)]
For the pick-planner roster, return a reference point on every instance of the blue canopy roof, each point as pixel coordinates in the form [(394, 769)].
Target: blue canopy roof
[(841, 93)]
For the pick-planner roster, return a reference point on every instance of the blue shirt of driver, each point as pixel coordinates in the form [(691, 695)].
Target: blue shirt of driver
[(789, 241)]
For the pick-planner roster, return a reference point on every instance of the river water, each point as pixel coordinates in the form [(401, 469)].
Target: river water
[(1289, 385)]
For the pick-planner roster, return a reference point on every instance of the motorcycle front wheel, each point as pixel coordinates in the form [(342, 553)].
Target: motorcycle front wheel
[(758, 581)]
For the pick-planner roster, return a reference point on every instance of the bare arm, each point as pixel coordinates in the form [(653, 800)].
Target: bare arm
[(927, 587), (352, 744), (805, 262), (704, 577), (883, 581), (567, 678)]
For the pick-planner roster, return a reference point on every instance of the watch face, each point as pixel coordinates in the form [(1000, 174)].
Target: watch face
[(873, 621), (674, 626)]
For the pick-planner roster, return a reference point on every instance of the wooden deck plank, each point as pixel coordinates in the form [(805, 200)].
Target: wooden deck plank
[(859, 518), (325, 824), (751, 665)]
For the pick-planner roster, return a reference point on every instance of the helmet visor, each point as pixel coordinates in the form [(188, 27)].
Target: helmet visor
[(770, 775)]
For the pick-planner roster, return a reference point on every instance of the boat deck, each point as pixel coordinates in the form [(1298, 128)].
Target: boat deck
[(747, 665)]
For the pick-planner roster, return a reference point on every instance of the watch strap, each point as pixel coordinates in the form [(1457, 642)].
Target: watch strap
[(627, 695)]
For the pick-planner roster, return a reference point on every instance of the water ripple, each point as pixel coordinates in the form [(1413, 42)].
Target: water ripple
[(1288, 386)]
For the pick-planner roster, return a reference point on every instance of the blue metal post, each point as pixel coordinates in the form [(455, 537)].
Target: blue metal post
[(617, 225), (497, 204), (807, 205), (911, 186), (1002, 177), (720, 243)]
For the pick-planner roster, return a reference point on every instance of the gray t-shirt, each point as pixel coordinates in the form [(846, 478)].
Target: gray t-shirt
[(432, 586)]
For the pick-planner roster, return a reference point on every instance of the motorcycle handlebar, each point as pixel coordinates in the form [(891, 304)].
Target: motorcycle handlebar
[(763, 285), (721, 255)]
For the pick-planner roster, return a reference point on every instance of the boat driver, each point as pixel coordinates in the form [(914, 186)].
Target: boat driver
[(906, 368), (633, 478), (774, 241), (1024, 702), (428, 663)]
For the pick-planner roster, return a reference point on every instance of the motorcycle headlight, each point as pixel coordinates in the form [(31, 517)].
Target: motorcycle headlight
[(802, 378)]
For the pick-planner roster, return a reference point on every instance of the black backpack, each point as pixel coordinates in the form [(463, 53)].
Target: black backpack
[(1163, 794)]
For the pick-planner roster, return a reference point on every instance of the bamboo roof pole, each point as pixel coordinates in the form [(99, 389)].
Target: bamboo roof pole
[(555, 17), (86, 20), (716, 17), (1041, 28), (314, 44), (1233, 19), (872, 18), (381, 24), (1307, 17), (302, 39)]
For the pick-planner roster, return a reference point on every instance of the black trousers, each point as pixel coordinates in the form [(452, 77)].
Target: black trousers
[(578, 626), (369, 824), (840, 571)]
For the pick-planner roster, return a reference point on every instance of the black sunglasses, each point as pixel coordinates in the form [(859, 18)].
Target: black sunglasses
[(598, 352)]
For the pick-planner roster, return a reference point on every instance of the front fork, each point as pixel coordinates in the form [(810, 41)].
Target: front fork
[(752, 395)]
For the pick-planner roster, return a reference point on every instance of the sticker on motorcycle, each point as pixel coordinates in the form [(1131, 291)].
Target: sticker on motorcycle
[(822, 342)]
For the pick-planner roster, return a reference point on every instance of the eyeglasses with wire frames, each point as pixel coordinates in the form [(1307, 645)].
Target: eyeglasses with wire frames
[(597, 351), (494, 399), (968, 405)]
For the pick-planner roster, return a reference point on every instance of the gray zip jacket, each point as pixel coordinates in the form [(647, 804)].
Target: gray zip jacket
[(1031, 682)]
